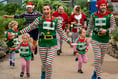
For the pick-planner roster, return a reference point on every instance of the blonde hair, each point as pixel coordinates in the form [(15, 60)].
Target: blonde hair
[(12, 23), (26, 35), (77, 8)]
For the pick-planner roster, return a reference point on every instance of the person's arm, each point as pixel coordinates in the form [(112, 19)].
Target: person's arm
[(19, 16), (32, 26), (68, 25), (87, 45), (32, 48), (16, 48), (8, 16), (90, 27), (85, 21), (62, 33), (112, 24), (14, 16), (75, 46)]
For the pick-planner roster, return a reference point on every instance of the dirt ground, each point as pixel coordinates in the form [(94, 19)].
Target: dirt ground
[(64, 67)]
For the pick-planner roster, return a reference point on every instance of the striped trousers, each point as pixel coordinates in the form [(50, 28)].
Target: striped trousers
[(99, 50), (47, 55), (59, 41)]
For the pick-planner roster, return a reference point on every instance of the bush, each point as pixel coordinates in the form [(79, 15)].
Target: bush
[(11, 8), (115, 34)]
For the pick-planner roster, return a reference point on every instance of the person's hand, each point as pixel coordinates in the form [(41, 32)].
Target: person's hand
[(5, 16), (10, 48), (73, 22), (67, 30), (59, 18), (74, 44), (103, 31), (85, 25), (86, 50), (77, 54)]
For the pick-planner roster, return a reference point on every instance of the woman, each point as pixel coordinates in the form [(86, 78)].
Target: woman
[(48, 25)]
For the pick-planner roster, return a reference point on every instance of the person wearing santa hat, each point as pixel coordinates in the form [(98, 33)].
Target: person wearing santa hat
[(102, 22), (30, 15)]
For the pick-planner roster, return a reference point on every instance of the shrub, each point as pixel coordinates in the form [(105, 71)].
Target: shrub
[(11, 8)]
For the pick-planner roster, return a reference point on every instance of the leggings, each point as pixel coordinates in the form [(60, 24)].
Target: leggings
[(59, 41), (25, 63), (82, 58), (99, 50), (12, 57), (47, 56)]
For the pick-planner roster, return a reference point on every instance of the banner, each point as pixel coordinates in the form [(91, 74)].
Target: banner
[(93, 7)]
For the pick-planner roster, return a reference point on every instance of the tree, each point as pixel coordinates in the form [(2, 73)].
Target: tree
[(11, 8)]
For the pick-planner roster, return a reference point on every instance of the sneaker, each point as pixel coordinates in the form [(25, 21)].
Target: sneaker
[(94, 76), (76, 59), (21, 74), (28, 74), (43, 75), (80, 71), (58, 52), (10, 63), (99, 78), (13, 64)]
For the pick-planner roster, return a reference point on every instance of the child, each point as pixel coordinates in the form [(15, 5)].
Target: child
[(12, 41), (25, 54), (81, 48)]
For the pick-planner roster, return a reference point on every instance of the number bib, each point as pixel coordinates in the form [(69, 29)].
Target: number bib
[(100, 21), (16, 41), (47, 25), (24, 50)]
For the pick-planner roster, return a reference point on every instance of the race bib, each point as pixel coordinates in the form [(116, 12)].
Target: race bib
[(100, 21), (47, 25), (24, 50), (16, 41)]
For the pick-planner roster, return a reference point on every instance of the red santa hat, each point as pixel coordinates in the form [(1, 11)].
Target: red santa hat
[(99, 2), (30, 4)]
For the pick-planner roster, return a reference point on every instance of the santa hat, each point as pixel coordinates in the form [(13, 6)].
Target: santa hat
[(30, 4), (99, 2)]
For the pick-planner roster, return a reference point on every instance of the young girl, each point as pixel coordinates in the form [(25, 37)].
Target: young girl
[(81, 48), (25, 54), (12, 41), (78, 21)]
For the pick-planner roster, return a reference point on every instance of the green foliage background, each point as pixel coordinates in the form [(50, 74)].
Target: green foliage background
[(15, 8)]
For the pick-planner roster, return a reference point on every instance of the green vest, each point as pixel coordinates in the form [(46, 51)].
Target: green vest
[(47, 34), (25, 52), (13, 42), (81, 47), (100, 23)]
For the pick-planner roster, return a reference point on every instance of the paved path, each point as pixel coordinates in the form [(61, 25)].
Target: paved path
[(64, 67)]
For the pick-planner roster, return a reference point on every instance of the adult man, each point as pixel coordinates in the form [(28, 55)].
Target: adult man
[(63, 17), (30, 15), (103, 23)]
